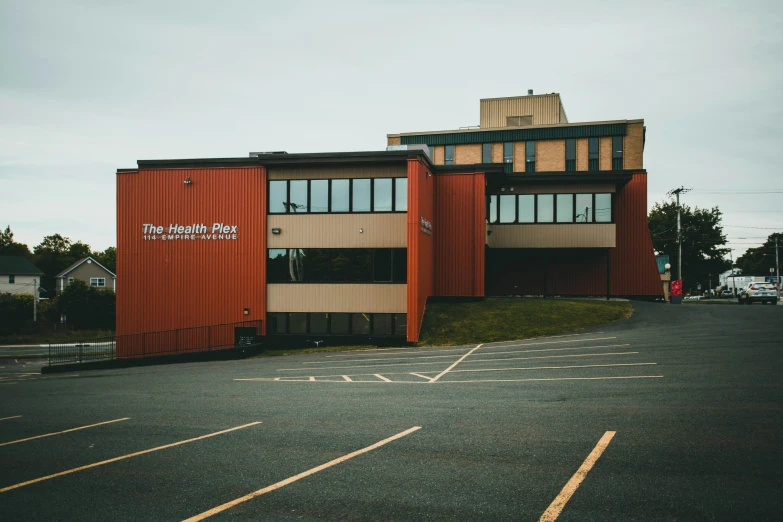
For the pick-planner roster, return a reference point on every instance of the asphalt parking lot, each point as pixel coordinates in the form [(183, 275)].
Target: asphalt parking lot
[(674, 414)]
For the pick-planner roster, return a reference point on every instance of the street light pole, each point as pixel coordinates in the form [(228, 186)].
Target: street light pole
[(777, 267), (677, 192)]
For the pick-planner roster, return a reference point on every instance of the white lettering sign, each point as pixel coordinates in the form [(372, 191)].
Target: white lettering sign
[(192, 232)]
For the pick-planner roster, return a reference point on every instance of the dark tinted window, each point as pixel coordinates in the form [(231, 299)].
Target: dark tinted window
[(565, 208), (360, 324), (318, 323), (584, 208), (383, 265), (276, 322), (316, 262), (341, 265), (530, 151), (319, 195), (297, 323), (493, 209), (617, 146), (298, 188), (508, 152), (486, 153), (401, 194), (400, 265), (296, 264), (382, 324), (361, 195), (593, 148), (278, 196), (361, 265), (570, 149), (341, 324), (340, 195), (400, 324), (382, 195), (545, 208), (508, 209), (277, 266), (448, 154), (603, 208), (527, 208)]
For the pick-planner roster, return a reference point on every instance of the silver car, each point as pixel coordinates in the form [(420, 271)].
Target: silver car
[(758, 293)]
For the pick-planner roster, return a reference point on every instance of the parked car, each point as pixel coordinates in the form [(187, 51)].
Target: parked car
[(727, 293), (758, 292)]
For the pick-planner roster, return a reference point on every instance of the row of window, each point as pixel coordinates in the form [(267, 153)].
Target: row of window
[(550, 208), (337, 265), (530, 154), (322, 323), (338, 195)]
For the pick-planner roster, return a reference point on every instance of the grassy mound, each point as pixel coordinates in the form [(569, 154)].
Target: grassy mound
[(506, 319)]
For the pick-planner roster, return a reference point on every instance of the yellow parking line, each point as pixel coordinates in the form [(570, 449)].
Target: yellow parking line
[(282, 483), (64, 431), (14, 417), (557, 505), (123, 457)]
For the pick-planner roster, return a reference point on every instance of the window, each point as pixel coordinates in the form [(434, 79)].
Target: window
[(319, 195), (401, 194), (527, 208), (11, 279), (70, 280), (617, 153), (382, 265), (361, 195), (382, 195), (530, 156), (493, 208), (592, 154), (278, 197), (341, 265), (337, 265), (603, 208), (545, 210), (98, 281), (340, 324), (319, 323), (361, 265), (518, 121), (298, 196), (399, 265), (297, 323), (486, 153), (325, 323), (382, 324), (448, 155), (584, 208), (508, 209), (277, 323), (277, 266), (400, 324), (565, 208), (360, 324), (570, 164), (341, 195), (508, 152)]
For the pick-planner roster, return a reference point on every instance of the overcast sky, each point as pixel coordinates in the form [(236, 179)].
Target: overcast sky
[(87, 87)]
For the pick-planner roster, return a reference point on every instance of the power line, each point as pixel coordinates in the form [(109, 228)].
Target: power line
[(759, 228)]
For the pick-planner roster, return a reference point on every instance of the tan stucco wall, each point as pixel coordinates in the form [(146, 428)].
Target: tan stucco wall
[(497, 153), (338, 231), (581, 154), (550, 155), (633, 146), (605, 154), (467, 154), (438, 153), (368, 298), (552, 236)]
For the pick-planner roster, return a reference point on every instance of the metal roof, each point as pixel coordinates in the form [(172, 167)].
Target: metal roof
[(17, 265)]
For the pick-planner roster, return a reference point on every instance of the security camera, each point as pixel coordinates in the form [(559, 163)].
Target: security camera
[(188, 181)]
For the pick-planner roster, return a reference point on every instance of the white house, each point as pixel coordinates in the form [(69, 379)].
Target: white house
[(19, 276)]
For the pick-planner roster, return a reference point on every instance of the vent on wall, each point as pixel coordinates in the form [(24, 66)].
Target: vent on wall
[(518, 121)]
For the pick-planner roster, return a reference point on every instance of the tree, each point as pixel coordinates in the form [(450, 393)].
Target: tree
[(8, 247), (88, 307), (52, 256), (757, 261), (107, 258), (703, 257)]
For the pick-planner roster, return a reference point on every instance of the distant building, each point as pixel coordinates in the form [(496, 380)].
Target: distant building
[(19, 276), (91, 272)]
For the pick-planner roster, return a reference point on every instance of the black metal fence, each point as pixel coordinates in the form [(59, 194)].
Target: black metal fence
[(151, 344)]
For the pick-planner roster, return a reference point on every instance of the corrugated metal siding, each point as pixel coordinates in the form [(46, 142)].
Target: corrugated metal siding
[(420, 245), (585, 235), (338, 230), (380, 171), (184, 283), (581, 274), (489, 136), (360, 298), (546, 272), (459, 235), (634, 270), (545, 110)]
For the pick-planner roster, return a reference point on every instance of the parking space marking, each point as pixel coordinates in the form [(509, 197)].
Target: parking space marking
[(552, 367), (61, 432), (524, 343), (282, 483), (347, 378), (422, 376), (555, 379), (557, 505), (551, 357), (358, 366), (8, 418), (385, 359), (424, 350), (381, 377), (123, 457), (447, 370)]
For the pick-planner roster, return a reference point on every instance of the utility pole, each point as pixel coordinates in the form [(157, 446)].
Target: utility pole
[(777, 267), (677, 192), (35, 300), (733, 275)]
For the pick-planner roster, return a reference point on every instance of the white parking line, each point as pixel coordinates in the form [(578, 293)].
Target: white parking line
[(551, 357), (381, 377), (447, 370), (422, 376)]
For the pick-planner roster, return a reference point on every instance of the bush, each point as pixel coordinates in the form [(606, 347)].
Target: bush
[(15, 311), (87, 307)]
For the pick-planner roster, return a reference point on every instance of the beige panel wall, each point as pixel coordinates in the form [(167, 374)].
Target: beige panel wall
[(338, 230), (393, 140), (633, 146), (544, 108), (581, 153), (605, 154), (497, 153), (467, 154), (87, 270), (519, 156), (367, 298), (550, 155), (438, 153), (382, 171), (574, 188), (552, 236)]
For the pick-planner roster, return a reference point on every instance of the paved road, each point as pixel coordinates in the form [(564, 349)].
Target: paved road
[(692, 395), (24, 350)]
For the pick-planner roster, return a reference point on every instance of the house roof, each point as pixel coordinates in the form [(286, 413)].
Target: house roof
[(79, 263), (17, 265)]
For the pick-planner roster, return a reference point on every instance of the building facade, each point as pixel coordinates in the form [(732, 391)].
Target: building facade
[(341, 244), (91, 272), (19, 276)]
